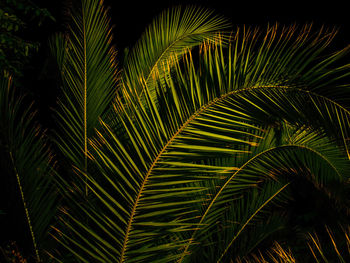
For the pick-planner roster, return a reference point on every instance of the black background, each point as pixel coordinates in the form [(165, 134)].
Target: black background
[(130, 18)]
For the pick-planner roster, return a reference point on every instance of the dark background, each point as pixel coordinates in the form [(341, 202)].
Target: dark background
[(131, 17)]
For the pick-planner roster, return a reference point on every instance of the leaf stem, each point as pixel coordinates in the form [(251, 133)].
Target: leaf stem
[(25, 208), (85, 104)]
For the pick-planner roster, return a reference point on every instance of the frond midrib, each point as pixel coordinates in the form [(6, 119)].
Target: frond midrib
[(133, 211), (85, 102), (189, 120), (155, 65), (240, 169), (25, 207)]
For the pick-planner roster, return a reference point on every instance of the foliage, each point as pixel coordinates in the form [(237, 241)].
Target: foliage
[(202, 146), (12, 254), (337, 250), (27, 164), (15, 46)]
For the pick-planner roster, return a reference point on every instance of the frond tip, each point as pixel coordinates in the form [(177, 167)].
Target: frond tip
[(168, 37)]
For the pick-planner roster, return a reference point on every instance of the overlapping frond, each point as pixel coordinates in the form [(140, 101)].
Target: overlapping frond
[(331, 249), (266, 71), (317, 159), (89, 77), (185, 156), (147, 173), (173, 33), (26, 159)]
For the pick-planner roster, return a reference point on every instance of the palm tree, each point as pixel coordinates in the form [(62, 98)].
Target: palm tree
[(198, 149), (198, 159), (89, 78)]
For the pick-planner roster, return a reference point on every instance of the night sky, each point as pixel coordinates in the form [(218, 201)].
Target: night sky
[(130, 17)]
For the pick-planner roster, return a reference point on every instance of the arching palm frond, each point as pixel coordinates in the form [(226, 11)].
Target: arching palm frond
[(332, 249), (244, 124), (143, 181), (27, 162), (302, 99), (269, 165), (169, 36), (265, 72)]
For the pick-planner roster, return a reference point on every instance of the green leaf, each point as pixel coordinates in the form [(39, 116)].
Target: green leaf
[(89, 77), (28, 160), (165, 40)]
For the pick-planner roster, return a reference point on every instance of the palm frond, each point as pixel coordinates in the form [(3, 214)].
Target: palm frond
[(324, 164), (176, 160), (153, 163), (265, 71), (26, 158), (336, 249), (276, 254), (169, 36), (89, 78)]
